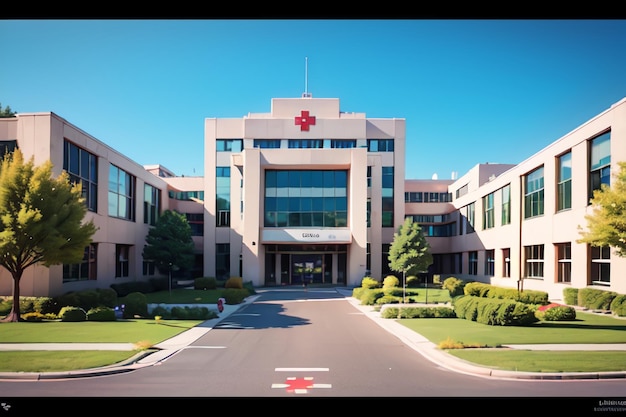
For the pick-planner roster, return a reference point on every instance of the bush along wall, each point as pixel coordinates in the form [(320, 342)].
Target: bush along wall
[(494, 312)]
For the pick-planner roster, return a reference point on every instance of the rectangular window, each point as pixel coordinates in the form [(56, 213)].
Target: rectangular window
[(7, 146), (470, 218), (601, 265), (343, 143), (600, 163), (488, 212), (369, 176), (462, 191), (385, 270), (473, 263), (564, 184), (196, 222), (380, 145), (489, 262), (121, 194), (222, 261), (267, 143), (564, 262), (151, 204), (85, 270), (222, 189), (412, 197), (387, 194), (506, 205), (149, 268), (533, 197), (534, 261), (82, 167), (368, 259), (229, 145), (306, 143), (122, 263), (506, 265)]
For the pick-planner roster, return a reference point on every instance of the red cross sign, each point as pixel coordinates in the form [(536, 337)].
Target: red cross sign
[(304, 120)]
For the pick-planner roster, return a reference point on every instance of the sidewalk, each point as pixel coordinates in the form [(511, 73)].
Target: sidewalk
[(412, 339)]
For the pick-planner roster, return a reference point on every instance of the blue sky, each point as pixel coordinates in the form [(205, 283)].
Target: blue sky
[(471, 91)]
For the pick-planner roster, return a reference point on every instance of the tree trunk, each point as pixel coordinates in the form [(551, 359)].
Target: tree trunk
[(14, 315)]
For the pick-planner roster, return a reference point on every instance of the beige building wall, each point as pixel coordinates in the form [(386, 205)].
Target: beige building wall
[(41, 136)]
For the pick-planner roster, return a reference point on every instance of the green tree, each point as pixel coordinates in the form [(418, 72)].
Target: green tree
[(409, 252), (41, 220), (169, 243), (6, 112), (606, 225)]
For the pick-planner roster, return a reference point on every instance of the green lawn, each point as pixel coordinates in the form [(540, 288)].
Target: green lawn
[(587, 328)]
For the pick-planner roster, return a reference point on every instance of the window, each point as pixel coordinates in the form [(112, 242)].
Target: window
[(151, 204), (533, 198), (306, 198), (462, 191), (306, 143), (412, 197), (369, 176), (228, 145), (506, 265), (222, 198), (601, 265), (368, 258), (121, 194), (564, 185), (385, 270), (121, 260), (380, 145), (85, 270), (564, 262), (470, 218), (149, 268), (7, 146), (82, 168), (222, 261), (387, 193), (489, 262), (187, 195), (267, 143), (488, 212), (600, 163), (506, 205), (534, 261), (368, 213), (473, 263), (196, 222), (343, 143)]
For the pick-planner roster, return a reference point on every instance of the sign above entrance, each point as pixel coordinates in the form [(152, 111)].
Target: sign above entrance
[(306, 235), (304, 120)]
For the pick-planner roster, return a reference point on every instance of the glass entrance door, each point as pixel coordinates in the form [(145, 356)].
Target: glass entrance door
[(307, 268)]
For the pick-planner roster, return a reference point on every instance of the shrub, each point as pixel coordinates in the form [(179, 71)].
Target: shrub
[(387, 299), (412, 281), (570, 296), (161, 311), (618, 305), (135, 304), (205, 283), (391, 281), (101, 314), (454, 286), (418, 312), (234, 295), (555, 312), (70, 313), (33, 316), (369, 283), (234, 282)]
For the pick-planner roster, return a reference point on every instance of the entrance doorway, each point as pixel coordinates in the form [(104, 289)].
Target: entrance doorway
[(307, 268)]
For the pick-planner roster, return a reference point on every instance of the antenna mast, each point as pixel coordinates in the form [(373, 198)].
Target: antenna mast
[(306, 77)]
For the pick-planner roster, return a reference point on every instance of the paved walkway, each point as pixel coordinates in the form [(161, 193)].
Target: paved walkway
[(412, 339)]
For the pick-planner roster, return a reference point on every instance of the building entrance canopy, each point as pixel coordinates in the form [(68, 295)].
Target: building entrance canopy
[(309, 235)]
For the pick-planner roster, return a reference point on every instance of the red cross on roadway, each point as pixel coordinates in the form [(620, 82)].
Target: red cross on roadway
[(304, 120)]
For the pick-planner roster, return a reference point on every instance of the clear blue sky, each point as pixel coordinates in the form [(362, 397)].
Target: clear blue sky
[(471, 91)]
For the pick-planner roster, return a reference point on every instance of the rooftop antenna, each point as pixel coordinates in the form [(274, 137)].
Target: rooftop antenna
[(306, 78)]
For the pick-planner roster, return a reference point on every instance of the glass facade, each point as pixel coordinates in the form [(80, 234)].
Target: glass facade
[(306, 198)]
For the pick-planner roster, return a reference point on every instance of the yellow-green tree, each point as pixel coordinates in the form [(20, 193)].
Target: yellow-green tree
[(606, 225), (41, 220)]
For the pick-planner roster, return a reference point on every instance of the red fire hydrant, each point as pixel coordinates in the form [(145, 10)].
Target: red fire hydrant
[(220, 304)]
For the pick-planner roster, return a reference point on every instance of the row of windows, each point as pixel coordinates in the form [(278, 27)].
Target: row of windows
[(533, 263), (373, 145), (427, 197)]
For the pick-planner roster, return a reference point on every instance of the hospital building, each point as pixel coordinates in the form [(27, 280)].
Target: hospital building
[(310, 193)]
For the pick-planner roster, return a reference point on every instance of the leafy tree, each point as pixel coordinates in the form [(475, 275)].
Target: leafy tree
[(6, 112), (607, 224), (169, 243), (41, 220), (409, 252)]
